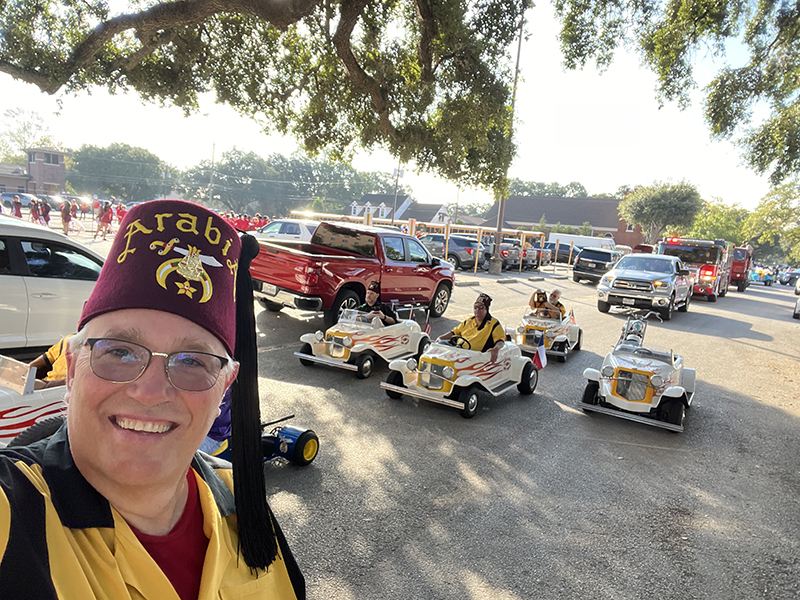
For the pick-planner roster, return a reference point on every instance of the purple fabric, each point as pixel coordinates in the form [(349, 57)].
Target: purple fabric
[(176, 257), (221, 429)]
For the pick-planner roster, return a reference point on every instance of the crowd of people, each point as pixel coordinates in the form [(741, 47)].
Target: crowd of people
[(244, 222)]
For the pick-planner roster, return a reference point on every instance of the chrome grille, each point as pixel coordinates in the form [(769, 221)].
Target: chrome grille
[(431, 376), (632, 386), (335, 346), (632, 284), (532, 337)]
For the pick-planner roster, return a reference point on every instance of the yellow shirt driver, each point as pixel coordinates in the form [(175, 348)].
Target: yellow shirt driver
[(482, 330)]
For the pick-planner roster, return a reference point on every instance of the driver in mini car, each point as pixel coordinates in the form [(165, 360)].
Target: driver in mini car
[(482, 331), (374, 306), (547, 306)]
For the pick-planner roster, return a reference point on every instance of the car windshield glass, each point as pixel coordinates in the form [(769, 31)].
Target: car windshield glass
[(739, 254), (645, 263), (359, 317), (693, 255), (596, 255)]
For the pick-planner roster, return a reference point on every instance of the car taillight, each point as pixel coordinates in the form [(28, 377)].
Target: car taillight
[(312, 274), (708, 272), (524, 254), (504, 253), (469, 251)]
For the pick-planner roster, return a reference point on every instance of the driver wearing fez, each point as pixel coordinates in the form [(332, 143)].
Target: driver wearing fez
[(482, 331), (548, 307), (119, 503), (374, 306)]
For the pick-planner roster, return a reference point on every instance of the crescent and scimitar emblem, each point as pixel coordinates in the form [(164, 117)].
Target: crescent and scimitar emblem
[(190, 267)]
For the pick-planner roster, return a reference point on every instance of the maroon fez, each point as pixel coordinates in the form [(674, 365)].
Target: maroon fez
[(484, 299), (182, 258), (375, 286), (176, 257)]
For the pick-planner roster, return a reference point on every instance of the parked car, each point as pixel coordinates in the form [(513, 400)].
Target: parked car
[(461, 250), (593, 263), (287, 229), (653, 281), (789, 277), (564, 255), (7, 198), (45, 278)]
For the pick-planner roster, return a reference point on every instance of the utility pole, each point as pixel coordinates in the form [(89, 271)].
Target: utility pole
[(397, 175)]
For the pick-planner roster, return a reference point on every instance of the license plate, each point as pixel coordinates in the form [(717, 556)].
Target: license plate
[(269, 289), (591, 265), (629, 301)]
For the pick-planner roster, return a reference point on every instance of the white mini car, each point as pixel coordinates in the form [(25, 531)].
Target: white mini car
[(20, 405), (639, 384), (358, 339), (450, 373), (561, 336)]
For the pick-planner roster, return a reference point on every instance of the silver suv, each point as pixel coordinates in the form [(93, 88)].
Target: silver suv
[(652, 281), (461, 251)]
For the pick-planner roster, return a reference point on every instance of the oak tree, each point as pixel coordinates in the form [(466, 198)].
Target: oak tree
[(661, 205)]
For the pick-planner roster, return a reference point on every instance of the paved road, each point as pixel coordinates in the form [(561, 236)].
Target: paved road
[(535, 499)]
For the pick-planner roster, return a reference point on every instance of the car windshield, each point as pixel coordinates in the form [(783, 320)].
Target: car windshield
[(359, 317), (645, 263)]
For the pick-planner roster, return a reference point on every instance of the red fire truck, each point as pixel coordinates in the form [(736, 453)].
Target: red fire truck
[(709, 261), (740, 268)]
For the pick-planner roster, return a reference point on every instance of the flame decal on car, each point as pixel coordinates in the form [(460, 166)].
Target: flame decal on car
[(382, 343), (17, 419)]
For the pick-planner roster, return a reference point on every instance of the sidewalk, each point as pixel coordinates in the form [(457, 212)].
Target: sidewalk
[(552, 271)]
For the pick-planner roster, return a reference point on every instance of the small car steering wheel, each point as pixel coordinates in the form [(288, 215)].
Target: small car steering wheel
[(460, 342)]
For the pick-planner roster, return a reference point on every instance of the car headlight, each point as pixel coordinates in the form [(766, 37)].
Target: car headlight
[(411, 364), (520, 329), (347, 342), (656, 380), (319, 336), (658, 284), (423, 366), (448, 372), (608, 371), (606, 279)]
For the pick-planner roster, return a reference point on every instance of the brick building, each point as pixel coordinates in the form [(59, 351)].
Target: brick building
[(47, 171)]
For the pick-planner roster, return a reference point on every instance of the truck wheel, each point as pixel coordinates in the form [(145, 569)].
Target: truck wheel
[(590, 393), (269, 305), (712, 297), (395, 378), (741, 287), (485, 264), (38, 431), (469, 397), (603, 306), (365, 362), (667, 312), (306, 448), (685, 306), (454, 260), (723, 292), (346, 299), (530, 378), (576, 279), (306, 349), (440, 301)]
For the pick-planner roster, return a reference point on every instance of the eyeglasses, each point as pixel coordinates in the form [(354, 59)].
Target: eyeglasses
[(479, 307), (119, 361)]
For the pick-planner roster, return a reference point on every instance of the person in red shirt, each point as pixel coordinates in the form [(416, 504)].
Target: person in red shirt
[(105, 220), (121, 212)]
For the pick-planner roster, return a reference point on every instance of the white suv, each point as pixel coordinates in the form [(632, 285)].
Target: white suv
[(45, 278), (287, 229)]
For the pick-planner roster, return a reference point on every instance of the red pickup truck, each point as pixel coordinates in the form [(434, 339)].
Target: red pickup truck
[(332, 271)]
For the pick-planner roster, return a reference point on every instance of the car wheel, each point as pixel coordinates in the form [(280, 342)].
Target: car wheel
[(306, 349), (667, 312), (580, 341), (590, 393), (530, 378), (38, 431), (741, 287), (395, 378), (469, 398), (712, 297), (797, 290), (685, 306), (346, 299), (454, 260), (306, 448), (440, 301), (576, 279), (485, 264), (270, 305), (603, 307), (723, 292), (674, 412), (365, 362), (424, 343)]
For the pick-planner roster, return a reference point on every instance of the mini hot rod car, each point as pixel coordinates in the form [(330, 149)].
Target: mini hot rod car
[(561, 336), (452, 374), (639, 384), (20, 405), (358, 338)]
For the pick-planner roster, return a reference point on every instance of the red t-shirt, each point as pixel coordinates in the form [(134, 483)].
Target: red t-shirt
[(181, 552)]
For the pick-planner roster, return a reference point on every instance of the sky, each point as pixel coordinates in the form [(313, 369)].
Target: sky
[(603, 130)]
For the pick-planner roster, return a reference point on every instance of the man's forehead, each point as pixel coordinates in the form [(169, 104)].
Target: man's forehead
[(136, 326)]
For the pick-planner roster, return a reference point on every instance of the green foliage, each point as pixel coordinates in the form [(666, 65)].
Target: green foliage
[(585, 229), (716, 221), (542, 226), (468, 210), (430, 82), (775, 224), (23, 129), (671, 35), (559, 228), (659, 206), (517, 187), (130, 173)]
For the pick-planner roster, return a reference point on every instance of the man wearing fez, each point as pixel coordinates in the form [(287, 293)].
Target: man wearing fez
[(482, 330), (118, 504), (374, 306)]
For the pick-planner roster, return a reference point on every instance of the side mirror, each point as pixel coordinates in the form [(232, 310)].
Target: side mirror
[(684, 272), (436, 261)]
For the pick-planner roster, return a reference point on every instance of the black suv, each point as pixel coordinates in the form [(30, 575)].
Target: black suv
[(593, 263)]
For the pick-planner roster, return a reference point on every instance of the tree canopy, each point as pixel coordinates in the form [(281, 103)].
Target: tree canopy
[(670, 35), (716, 221), (775, 223), (661, 205), (429, 81), (22, 129)]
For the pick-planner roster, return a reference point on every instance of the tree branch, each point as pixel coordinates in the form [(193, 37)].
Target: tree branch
[(427, 34)]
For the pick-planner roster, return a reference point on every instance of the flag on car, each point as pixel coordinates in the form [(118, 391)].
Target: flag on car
[(572, 317), (427, 328), (540, 358)]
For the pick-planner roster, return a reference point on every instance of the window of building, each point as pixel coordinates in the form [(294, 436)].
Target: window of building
[(31, 157), (51, 159), (630, 227), (354, 209)]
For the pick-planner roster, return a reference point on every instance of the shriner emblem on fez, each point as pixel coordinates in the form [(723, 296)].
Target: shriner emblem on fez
[(190, 267)]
